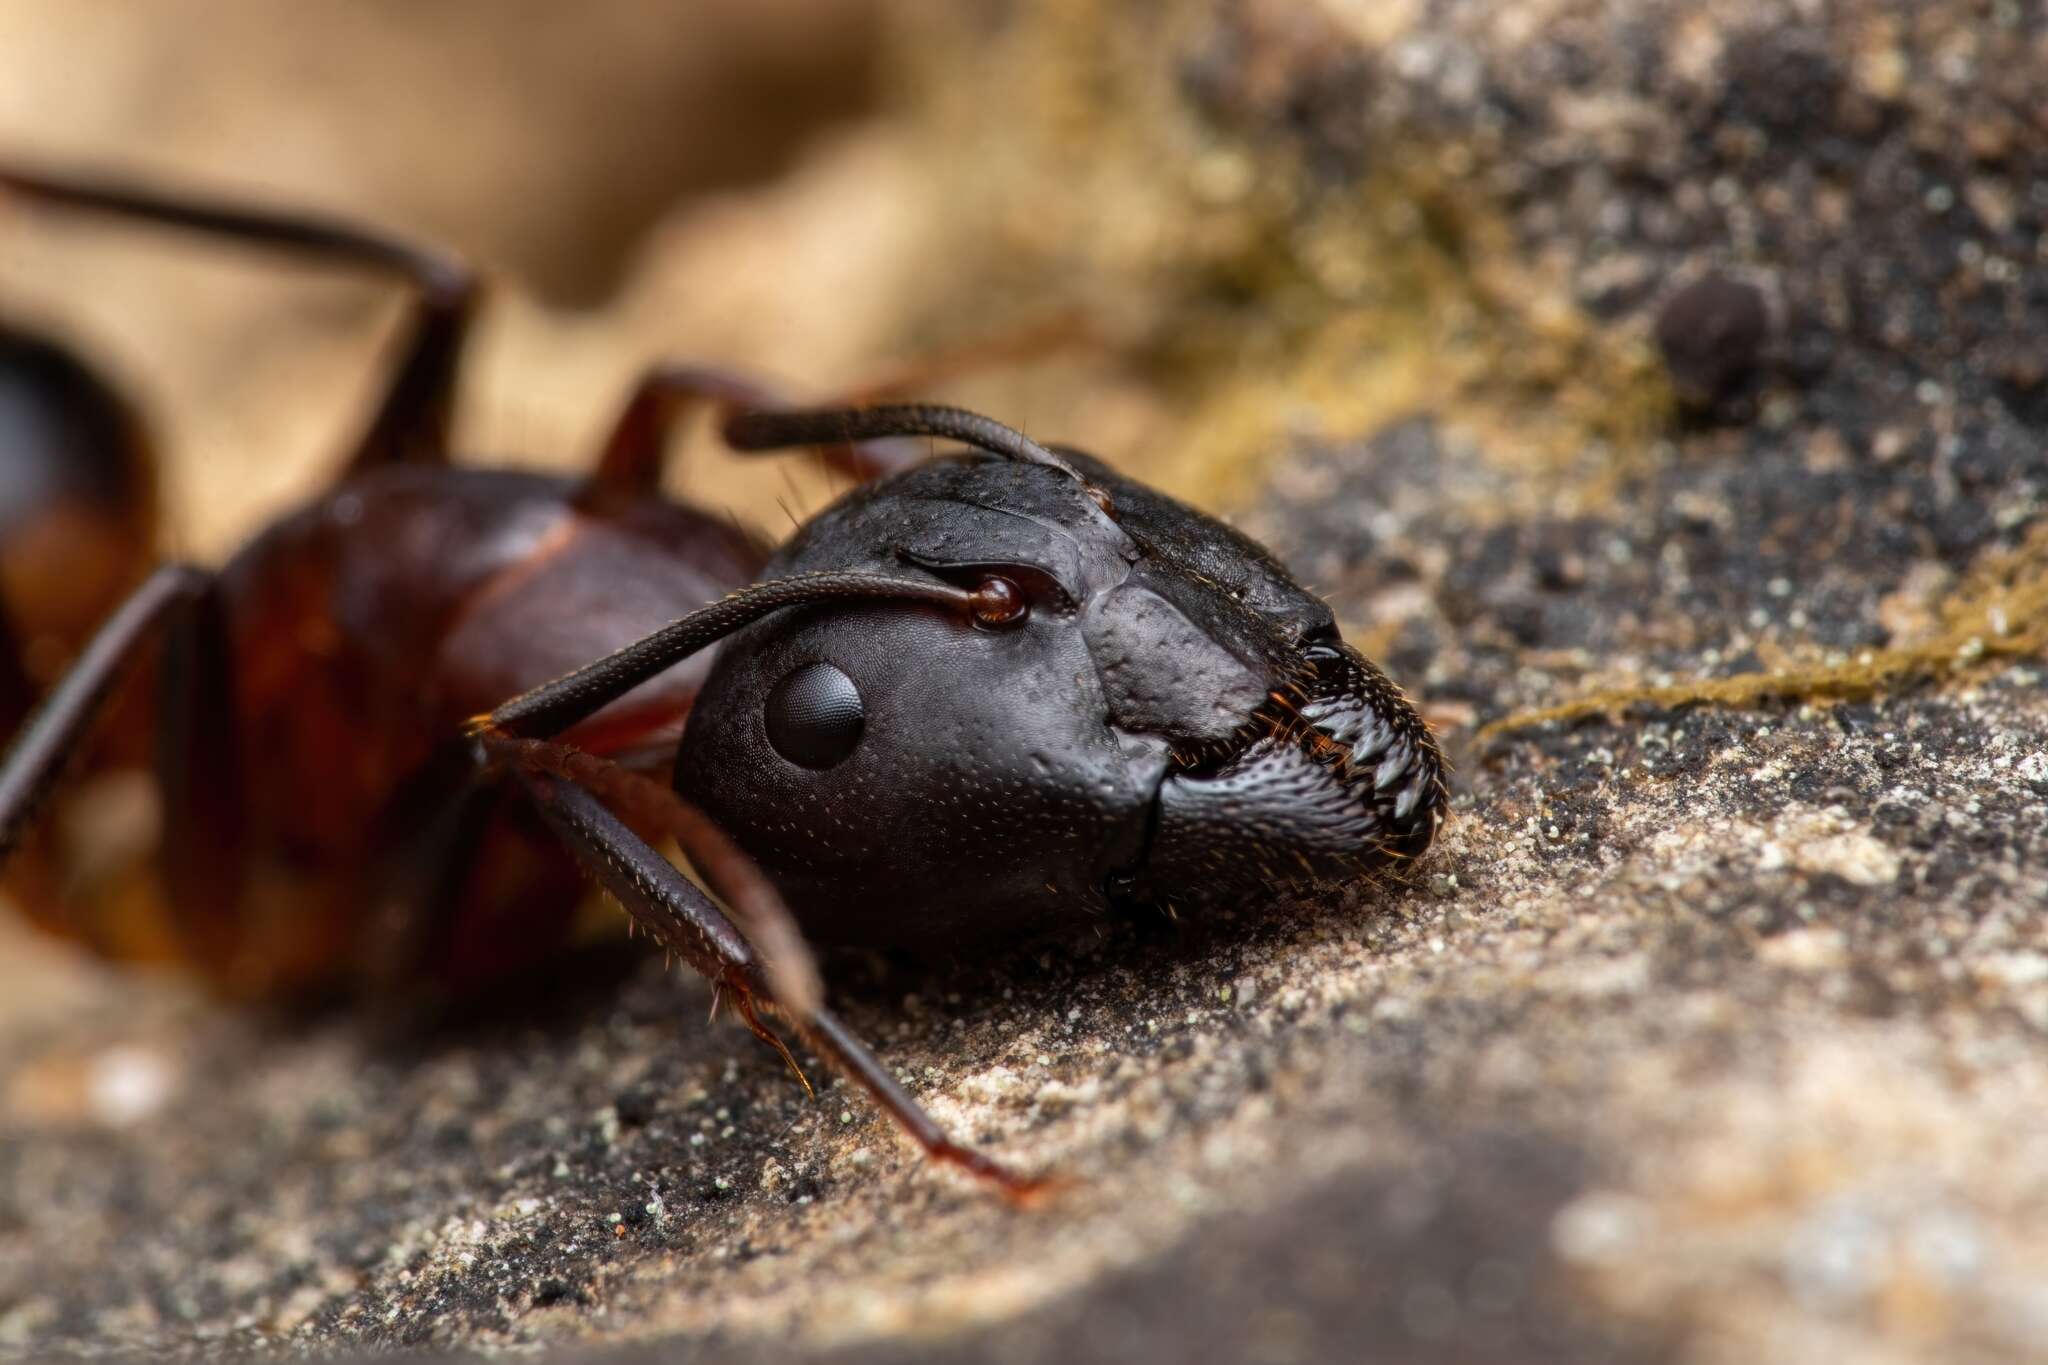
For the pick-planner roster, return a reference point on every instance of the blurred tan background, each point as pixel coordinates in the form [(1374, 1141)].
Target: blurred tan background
[(543, 138), (734, 181)]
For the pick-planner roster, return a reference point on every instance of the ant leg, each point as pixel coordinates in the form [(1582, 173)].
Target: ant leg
[(685, 921), (649, 805), (37, 756), (413, 419), (200, 777), (426, 840), (630, 464), (629, 467), (428, 837), (198, 759)]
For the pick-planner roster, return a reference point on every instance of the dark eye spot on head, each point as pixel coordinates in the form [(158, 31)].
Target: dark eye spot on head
[(815, 717)]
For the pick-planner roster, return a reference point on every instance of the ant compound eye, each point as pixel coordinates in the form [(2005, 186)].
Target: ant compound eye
[(815, 717), (999, 603)]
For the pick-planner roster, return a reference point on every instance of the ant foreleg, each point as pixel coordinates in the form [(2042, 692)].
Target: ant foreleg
[(830, 1037), (686, 922), (655, 806)]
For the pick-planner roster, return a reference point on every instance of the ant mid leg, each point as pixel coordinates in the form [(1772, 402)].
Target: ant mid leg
[(630, 464), (629, 467), (413, 419)]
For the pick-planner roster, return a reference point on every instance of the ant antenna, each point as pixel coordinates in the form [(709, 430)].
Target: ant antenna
[(765, 430)]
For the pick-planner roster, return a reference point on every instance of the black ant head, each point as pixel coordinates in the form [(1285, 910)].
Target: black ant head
[(1143, 706)]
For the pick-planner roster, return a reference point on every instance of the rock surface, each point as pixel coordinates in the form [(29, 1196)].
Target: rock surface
[(1655, 389)]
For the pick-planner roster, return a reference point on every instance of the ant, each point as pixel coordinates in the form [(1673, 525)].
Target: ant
[(978, 697)]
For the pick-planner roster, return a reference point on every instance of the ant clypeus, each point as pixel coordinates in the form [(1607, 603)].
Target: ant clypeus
[(974, 697)]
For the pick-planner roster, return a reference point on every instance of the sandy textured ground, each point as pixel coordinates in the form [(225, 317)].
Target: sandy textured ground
[(1674, 370)]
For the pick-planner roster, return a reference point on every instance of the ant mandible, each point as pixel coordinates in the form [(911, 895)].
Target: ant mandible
[(977, 697)]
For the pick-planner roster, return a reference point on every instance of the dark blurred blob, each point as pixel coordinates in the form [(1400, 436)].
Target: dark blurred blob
[(1712, 334)]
